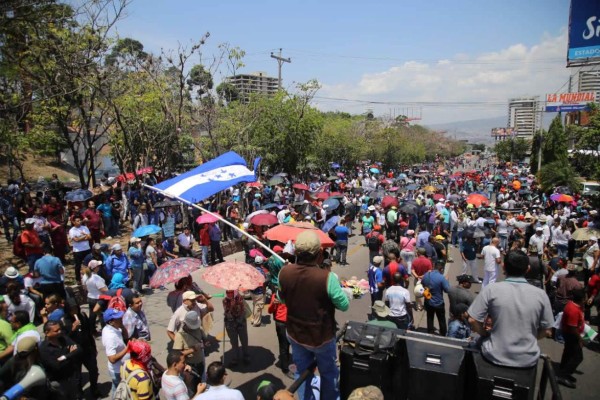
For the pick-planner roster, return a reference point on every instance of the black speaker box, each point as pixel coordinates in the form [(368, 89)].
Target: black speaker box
[(436, 367), (369, 356), (497, 382)]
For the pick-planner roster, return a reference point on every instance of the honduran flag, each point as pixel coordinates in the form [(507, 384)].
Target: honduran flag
[(209, 178)]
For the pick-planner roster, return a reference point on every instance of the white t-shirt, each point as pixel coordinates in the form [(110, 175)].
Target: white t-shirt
[(112, 340), (398, 298), (185, 240), (93, 285), (29, 281), (490, 254), (221, 392), (83, 245), (173, 388)]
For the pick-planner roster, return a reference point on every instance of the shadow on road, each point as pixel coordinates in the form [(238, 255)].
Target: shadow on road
[(260, 359), (248, 389)]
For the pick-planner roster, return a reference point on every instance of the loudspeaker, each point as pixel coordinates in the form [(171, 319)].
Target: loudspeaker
[(35, 376), (369, 356), (497, 382), (435, 366)]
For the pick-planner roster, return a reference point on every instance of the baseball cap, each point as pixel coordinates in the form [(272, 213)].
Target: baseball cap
[(189, 295), (111, 314), (116, 246), (26, 344), (440, 237), (94, 263), (134, 239), (308, 242), (258, 260), (278, 249), (539, 229), (97, 246), (29, 221), (377, 260), (593, 238)]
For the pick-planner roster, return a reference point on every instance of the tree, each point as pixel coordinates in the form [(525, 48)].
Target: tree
[(536, 143), (558, 173), (555, 143), (587, 144), (513, 149), (228, 92)]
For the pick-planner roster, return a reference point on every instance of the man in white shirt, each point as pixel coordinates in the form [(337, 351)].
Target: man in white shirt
[(185, 241), (491, 262), (398, 300), (114, 336), (79, 238), (217, 389), (537, 241), (191, 302)]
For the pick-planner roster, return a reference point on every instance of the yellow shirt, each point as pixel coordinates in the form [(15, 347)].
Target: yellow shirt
[(140, 385)]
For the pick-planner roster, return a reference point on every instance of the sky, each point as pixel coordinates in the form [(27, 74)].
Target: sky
[(439, 60)]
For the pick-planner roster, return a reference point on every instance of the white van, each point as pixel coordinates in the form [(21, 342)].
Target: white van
[(590, 187)]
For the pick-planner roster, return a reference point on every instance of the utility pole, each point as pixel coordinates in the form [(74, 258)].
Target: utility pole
[(280, 61)]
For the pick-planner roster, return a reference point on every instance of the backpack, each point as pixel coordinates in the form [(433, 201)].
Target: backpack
[(373, 242), (18, 248), (118, 301), (123, 391)]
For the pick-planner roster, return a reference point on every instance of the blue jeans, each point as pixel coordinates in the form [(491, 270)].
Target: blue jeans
[(325, 355), (204, 255), (562, 250), (115, 380)]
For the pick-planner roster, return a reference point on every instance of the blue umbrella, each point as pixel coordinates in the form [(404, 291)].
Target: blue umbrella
[(331, 204), (402, 176), (146, 230), (335, 165), (331, 222), (412, 186), (79, 195), (374, 170), (270, 205)]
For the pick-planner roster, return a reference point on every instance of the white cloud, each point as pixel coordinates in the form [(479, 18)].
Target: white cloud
[(488, 79)]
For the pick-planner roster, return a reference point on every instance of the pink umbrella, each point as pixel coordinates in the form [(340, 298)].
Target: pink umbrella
[(254, 184), (300, 186), (145, 170), (233, 275), (206, 219), (174, 270), (264, 220)]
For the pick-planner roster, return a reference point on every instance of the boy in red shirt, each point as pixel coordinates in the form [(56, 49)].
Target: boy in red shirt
[(572, 325)]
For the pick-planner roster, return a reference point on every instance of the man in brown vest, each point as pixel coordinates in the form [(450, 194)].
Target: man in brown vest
[(311, 295)]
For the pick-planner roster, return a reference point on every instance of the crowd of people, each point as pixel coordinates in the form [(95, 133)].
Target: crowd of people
[(410, 218)]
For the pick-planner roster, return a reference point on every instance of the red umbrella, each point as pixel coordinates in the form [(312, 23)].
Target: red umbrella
[(232, 275), (254, 184), (300, 186), (477, 199), (322, 195), (264, 220), (206, 219), (389, 201), (283, 233), (438, 196), (335, 194), (174, 270)]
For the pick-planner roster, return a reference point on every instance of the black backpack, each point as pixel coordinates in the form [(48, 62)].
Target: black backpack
[(373, 242)]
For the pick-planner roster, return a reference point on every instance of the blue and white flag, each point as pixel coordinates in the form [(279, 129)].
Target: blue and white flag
[(209, 178)]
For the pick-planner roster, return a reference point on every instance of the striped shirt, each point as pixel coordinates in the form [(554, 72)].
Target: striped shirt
[(140, 385), (173, 388)]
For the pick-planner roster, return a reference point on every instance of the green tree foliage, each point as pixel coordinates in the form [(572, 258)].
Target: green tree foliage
[(515, 149), (555, 143), (586, 158), (228, 92), (558, 173), (200, 80), (536, 142)]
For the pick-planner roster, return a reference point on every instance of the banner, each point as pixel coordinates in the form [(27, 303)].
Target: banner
[(503, 132), (567, 102), (584, 32)]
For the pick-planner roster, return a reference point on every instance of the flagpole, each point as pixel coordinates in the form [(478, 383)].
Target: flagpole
[(261, 244)]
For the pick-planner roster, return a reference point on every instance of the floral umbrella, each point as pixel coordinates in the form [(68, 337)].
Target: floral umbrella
[(233, 275), (174, 270), (561, 198)]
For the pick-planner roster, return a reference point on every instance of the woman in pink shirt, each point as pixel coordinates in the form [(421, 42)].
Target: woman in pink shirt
[(407, 248)]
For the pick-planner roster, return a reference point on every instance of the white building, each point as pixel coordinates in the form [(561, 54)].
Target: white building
[(525, 116), (255, 82)]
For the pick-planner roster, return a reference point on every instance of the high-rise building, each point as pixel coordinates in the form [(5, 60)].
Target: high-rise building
[(255, 82), (525, 116), (587, 79)]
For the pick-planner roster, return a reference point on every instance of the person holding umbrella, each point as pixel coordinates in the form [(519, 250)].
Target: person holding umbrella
[(235, 325)]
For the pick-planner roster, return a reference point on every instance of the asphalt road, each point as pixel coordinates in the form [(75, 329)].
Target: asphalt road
[(263, 340)]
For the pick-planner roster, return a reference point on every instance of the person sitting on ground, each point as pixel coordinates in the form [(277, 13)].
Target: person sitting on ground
[(459, 328), (382, 313), (520, 314), (217, 389)]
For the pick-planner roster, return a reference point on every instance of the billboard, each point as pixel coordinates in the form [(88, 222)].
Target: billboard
[(567, 102), (584, 32), (503, 132)]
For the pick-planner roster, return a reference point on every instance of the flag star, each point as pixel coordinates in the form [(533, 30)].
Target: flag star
[(218, 176), (231, 174)]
